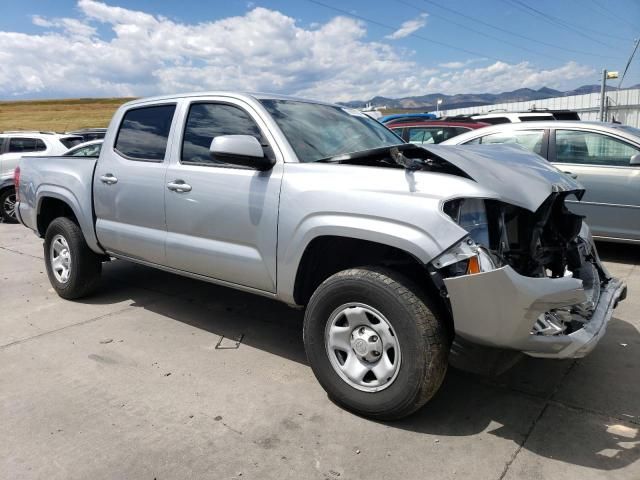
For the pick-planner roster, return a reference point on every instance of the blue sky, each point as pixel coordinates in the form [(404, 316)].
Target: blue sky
[(329, 49)]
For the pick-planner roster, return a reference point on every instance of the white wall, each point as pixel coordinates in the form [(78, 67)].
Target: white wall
[(624, 105)]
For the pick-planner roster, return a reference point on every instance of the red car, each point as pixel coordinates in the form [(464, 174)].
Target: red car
[(433, 131)]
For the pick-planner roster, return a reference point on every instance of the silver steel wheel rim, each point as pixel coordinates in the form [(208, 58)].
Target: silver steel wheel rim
[(60, 258), (366, 363), (9, 205)]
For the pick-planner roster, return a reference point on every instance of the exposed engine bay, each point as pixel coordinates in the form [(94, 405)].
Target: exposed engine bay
[(541, 244)]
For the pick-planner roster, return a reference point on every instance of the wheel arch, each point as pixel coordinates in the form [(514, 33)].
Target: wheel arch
[(57, 202), (325, 255)]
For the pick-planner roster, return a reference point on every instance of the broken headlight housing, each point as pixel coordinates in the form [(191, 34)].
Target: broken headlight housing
[(471, 255), (470, 214)]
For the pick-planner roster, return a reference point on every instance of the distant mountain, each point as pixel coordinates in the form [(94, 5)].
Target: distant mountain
[(462, 100)]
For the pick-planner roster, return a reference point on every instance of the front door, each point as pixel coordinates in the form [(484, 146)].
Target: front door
[(601, 163), (129, 184), (223, 222)]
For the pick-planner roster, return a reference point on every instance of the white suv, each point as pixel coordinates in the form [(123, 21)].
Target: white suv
[(14, 145), (495, 118)]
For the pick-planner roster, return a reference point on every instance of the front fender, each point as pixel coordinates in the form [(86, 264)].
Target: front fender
[(409, 238)]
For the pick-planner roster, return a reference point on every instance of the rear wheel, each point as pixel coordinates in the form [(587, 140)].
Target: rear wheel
[(374, 344), (8, 205), (73, 268)]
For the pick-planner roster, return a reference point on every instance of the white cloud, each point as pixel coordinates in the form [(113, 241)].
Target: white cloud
[(139, 54), (500, 77), (409, 27), (455, 65)]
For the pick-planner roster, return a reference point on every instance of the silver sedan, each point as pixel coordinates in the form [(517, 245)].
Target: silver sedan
[(604, 157)]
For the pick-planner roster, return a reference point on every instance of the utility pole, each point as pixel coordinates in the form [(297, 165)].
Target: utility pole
[(603, 89)]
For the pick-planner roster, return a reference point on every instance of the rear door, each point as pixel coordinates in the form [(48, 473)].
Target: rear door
[(223, 224), (129, 183), (602, 164)]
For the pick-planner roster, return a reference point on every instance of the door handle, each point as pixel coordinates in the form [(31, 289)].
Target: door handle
[(179, 186), (572, 175), (108, 178)]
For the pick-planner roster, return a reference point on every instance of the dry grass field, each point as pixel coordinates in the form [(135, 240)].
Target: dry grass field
[(58, 115), (69, 114)]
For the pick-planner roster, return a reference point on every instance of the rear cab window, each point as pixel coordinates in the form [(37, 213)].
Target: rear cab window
[(144, 133)]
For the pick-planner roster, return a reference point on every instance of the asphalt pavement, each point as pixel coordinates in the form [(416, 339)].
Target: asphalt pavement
[(163, 377)]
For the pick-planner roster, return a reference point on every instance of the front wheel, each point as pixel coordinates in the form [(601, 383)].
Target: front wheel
[(374, 343), (73, 268), (8, 205)]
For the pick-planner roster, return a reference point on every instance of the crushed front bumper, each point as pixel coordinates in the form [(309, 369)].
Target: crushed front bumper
[(499, 308)]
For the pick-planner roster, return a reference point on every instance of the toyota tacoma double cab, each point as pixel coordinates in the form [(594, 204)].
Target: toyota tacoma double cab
[(396, 252)]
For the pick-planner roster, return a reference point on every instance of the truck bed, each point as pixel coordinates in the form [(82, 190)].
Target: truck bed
[(65, 178)]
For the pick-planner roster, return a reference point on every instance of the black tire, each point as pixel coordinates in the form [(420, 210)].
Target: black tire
[(422, 339), (8, 196), (85, 266)]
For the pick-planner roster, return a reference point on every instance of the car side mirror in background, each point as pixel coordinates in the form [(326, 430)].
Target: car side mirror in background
[(243, 150), (635, 160)]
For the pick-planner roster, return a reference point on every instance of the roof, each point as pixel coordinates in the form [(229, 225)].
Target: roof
[(31, 133), (399, 116), (226, 93), (604, 127), (438, 123)]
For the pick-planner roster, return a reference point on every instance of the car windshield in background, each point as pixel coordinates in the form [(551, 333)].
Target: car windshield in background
[(317, 131), (71, 142)]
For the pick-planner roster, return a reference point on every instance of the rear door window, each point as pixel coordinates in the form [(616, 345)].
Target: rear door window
[(25, 145), (144, 133), (590, 148)]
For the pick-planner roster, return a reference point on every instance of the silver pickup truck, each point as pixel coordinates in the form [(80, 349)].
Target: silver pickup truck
[(397, 252)]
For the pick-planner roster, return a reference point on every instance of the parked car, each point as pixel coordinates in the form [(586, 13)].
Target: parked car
[(396, 250), (89, 134), (406, 117), (496, 117), (86, 149), (604, 157), (433, 131), (16, 144)]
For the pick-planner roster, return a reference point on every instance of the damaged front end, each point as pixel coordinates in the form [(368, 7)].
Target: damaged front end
[(529, 281)]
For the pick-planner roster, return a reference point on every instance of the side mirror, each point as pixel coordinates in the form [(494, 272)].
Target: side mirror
[(243, 150), (635, 160)]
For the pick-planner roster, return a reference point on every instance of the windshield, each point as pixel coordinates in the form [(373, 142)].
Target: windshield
[(71, 142), (318, 132)]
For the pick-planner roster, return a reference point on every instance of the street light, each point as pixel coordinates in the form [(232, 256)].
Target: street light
[(603, 88), (438, 103)]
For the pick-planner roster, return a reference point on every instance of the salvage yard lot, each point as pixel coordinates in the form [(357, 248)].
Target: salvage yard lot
[(129, 384)]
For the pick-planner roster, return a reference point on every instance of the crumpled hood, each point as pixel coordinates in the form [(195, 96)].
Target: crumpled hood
[(518, 176)]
